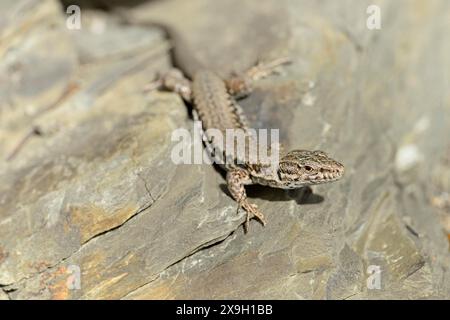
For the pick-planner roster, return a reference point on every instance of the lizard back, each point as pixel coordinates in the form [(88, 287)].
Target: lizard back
[(216, 109)]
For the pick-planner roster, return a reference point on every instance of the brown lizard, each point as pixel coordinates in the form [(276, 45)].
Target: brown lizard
[(214, 104)]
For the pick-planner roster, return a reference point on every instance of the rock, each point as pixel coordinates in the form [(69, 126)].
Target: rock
[(92, 205), (3, 295)]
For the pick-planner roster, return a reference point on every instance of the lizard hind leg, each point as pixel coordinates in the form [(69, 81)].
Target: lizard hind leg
[(240, 85), (264, 69), (174, 81), (236, 181)]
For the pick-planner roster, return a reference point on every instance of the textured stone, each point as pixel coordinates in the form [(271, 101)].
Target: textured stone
[(97, 192)]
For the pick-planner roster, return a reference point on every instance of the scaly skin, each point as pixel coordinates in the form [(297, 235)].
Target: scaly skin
[(214, 103)]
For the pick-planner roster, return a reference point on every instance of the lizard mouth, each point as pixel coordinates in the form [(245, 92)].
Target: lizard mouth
[(327, 175)]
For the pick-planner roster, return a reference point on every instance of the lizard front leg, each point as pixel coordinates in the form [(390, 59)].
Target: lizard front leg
[(236, 181), (242, 84)]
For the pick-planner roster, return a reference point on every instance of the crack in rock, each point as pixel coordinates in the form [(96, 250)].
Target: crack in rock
[(13, 286), (207, 245)]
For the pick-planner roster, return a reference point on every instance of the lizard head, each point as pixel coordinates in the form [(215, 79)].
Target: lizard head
[(301, 167)]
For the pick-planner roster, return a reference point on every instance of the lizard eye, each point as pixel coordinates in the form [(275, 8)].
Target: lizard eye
[(308, 168)]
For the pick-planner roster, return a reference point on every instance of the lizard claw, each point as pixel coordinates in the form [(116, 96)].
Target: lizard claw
[(154, 85), (252, 211)]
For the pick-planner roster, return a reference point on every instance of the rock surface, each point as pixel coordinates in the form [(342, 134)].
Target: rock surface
[(89, 188)]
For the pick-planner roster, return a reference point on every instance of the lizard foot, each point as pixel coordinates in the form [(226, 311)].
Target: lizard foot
[(236, 179), (173, 80), (252, 211), (263, 70), (153, 85)]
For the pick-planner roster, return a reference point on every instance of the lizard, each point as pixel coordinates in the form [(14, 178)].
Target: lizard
[(214, 102)]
